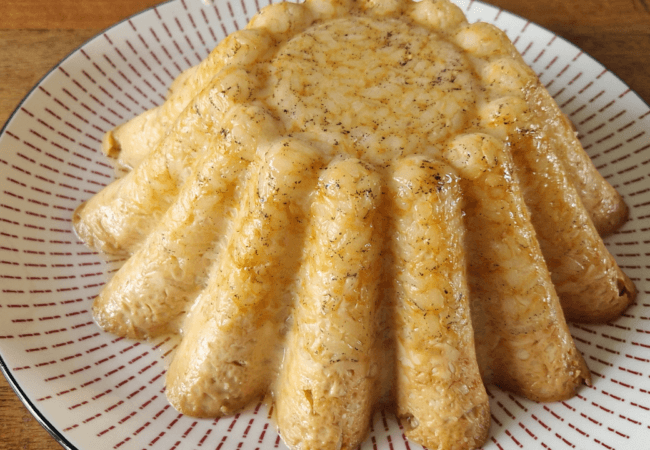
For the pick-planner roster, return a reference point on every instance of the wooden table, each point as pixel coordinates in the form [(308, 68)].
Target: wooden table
[(36, 34)]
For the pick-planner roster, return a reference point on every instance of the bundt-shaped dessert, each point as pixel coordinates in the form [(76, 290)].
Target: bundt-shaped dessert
[(354, 204)]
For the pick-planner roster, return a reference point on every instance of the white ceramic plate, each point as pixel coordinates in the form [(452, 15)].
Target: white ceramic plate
[(92, 390)]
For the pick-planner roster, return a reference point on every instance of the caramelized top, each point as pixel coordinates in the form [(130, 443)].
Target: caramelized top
[(375, 89)]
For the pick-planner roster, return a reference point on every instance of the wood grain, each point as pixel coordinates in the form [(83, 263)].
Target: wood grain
[(615, 32), (36, 34), (68, 14), (27, 55)]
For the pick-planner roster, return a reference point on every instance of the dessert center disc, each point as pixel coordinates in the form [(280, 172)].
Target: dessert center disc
[(376, 88)]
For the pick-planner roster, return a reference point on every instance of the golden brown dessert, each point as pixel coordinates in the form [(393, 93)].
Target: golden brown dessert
[(355, 204)]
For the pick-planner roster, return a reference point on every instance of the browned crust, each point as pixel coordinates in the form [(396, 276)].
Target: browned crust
[(606, 206), (610, 308), (611, 216)]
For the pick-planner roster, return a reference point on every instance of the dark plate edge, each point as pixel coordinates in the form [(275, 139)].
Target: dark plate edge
[(34, 411), (98, 35), (54, 432)]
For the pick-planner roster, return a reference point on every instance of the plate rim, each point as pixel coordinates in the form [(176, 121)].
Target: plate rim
[(33, 410), (72, 53), (11, 381)]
